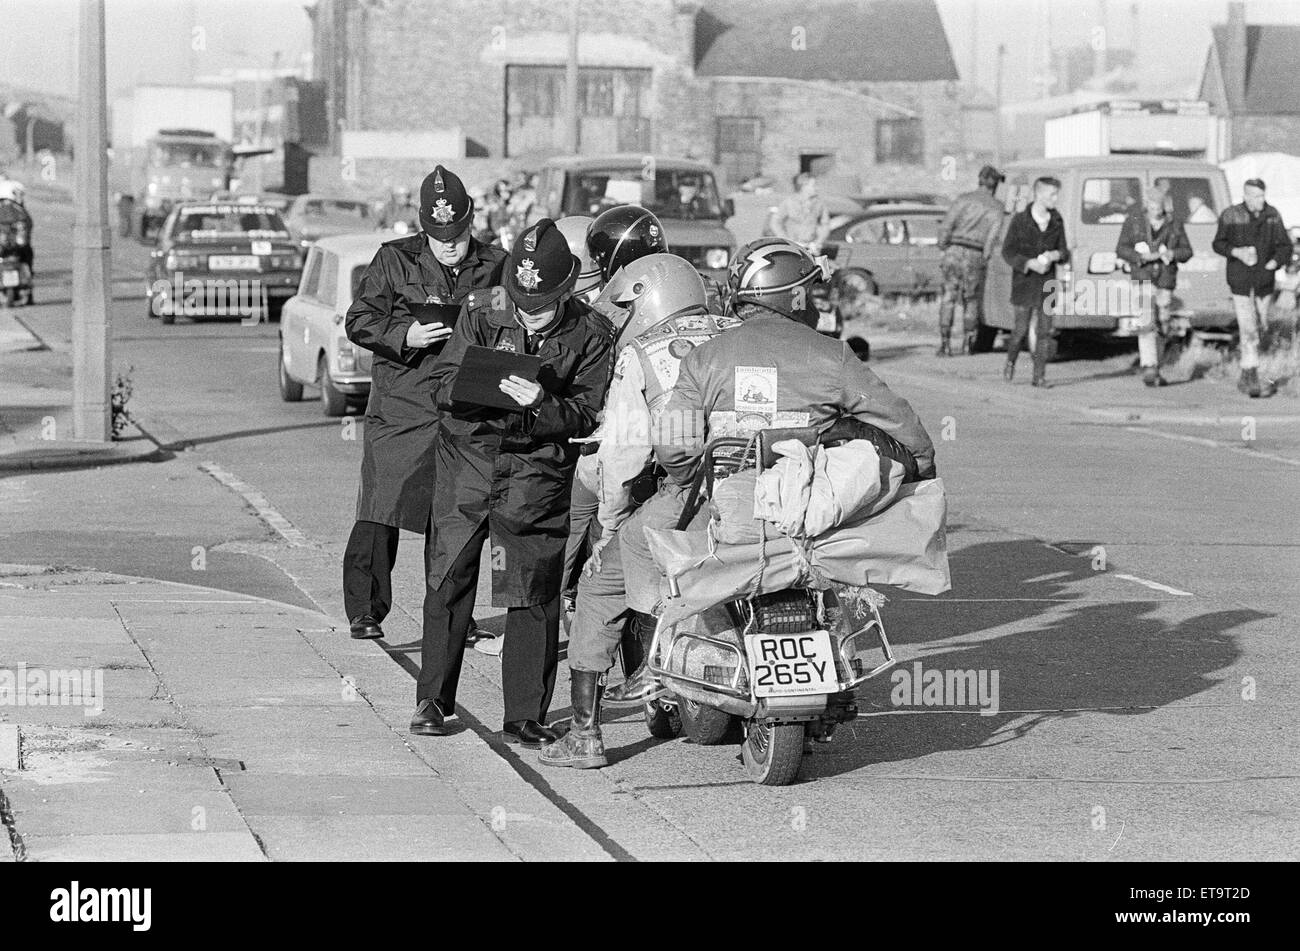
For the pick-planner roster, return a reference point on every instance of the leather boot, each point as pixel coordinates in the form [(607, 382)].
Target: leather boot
[(640, 687), (582, 747)]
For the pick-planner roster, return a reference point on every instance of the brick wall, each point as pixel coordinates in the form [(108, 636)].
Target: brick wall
[(441, 63)]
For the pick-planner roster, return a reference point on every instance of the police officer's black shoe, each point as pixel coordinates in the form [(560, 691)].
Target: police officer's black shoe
[(529, 734), (429, 719), (366, 628)]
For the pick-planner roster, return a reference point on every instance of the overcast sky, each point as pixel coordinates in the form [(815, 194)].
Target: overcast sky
[(149, 40)]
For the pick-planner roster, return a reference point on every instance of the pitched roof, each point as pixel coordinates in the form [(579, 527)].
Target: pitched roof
[(1270, 69), (862, 41)]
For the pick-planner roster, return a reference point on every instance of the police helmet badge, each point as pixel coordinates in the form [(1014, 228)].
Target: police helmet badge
[(528, 276), (442, 212), (530, 243), (437, 181)]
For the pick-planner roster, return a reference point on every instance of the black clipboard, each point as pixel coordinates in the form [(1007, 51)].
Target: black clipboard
[(444, 314), (478, 380)]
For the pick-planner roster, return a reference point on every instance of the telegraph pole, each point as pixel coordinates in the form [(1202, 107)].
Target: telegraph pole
[(997, 95), (571, 79), (91, 410)]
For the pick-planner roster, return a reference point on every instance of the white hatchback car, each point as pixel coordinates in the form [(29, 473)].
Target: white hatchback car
[(314, 349)]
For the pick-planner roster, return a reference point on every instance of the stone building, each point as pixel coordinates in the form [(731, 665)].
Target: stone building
[(864, 89)]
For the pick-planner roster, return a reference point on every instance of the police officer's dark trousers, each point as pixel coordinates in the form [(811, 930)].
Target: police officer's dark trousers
[(529, 655), (368, 570)]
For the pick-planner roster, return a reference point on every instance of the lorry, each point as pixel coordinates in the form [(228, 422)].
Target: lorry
[(1181, 128), (170, 144)]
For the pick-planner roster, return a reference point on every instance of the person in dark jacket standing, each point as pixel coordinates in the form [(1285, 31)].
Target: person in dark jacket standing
[(439, 266), (507, 474), (1254, 240), (1153, 243), (1034, 245), (968, 237)]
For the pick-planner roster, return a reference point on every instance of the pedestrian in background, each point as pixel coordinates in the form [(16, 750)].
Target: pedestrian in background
[(1254, 240), (506, 474), (802, 217), (1034, 246), (439, 265), (968, 237), (1154, 243)]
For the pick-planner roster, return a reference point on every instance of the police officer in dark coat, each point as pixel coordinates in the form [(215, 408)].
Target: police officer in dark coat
[(507, 475), (439, 266)]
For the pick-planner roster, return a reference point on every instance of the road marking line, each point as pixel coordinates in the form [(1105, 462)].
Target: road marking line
[(1202, 441), (265, 511), (1156, 585)]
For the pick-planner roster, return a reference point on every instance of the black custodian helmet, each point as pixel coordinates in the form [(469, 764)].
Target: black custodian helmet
[(622, 234), (446, 209), (775, 274), (541, 267)]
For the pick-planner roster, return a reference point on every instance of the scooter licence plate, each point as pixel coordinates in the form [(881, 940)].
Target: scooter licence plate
[(11, 278), (783, 665)]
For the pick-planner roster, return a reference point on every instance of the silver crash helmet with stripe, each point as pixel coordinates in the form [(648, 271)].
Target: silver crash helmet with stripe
[(653, 289), (575, 228), (775, 274), (621, 234)]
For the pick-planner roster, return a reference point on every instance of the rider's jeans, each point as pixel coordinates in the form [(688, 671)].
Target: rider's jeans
[(1252, 313), (628, 579)]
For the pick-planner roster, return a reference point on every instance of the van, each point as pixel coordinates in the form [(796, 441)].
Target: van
[(683, 194), (1097, 193)]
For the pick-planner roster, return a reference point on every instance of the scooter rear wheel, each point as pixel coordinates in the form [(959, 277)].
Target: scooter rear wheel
[(772, 752), (707, 726)]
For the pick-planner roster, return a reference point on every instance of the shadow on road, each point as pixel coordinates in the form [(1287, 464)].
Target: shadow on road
[(1078, 655)]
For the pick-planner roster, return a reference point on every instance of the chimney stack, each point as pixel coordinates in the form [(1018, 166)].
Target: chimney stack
[(1234, 55)]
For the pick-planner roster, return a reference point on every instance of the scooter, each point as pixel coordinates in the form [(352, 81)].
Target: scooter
[(780, 670), (15, 254)]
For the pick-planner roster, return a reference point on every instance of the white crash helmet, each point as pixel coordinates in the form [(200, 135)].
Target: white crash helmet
[(574, 228), (11, 190), (654, 288)]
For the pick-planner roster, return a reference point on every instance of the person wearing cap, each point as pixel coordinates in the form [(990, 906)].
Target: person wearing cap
[(667, 303), (506, 475), (968, 237), (442, 264), (1254, 240)]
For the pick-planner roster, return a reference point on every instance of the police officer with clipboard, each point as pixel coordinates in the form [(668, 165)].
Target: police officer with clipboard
[(505, 471), (396, 315)]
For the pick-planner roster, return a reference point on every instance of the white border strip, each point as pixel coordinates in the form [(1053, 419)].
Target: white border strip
[(265, 511), (1156, 585)]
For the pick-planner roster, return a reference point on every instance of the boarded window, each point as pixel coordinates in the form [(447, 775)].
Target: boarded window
[(613, 110), (899, 142)]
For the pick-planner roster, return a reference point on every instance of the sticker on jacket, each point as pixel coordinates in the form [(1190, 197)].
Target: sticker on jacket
[(755, 391)]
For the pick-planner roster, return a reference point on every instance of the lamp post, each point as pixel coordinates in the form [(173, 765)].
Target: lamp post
[(91, 357)]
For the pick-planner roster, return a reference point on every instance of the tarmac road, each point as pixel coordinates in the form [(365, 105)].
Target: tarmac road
[(1122, 559)]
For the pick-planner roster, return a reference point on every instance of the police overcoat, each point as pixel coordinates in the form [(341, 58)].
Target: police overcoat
[(401, 419), (515, 467)]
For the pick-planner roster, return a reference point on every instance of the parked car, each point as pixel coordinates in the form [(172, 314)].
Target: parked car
[(314, 350), (1097, 193), (312, 217), (889, 250), (221, 259), (682, 193)]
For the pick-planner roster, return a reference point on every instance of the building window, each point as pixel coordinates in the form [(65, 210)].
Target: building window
[(613, 110), (899, 142), (739, 151)]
